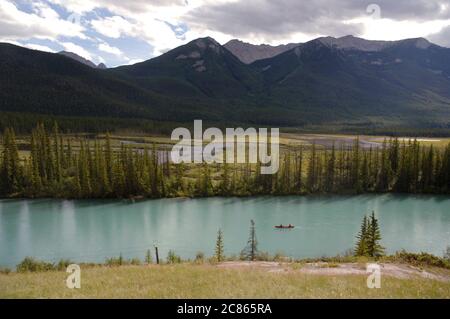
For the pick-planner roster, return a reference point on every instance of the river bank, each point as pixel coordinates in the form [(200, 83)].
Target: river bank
[(232, 280)]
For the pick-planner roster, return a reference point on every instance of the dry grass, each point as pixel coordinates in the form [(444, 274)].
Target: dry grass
[(207, 281)]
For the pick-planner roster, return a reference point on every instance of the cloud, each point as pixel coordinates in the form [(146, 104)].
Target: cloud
[(441, 38), (166, 24), (125, 7), (416, 10), (274, 20), (113, 27), (144, 26), (105, 47), (277, 19), (44, 23), (134, 61), (39, 47), (79, 50)]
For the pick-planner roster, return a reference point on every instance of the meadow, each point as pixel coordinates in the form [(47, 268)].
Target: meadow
[(190, 280)]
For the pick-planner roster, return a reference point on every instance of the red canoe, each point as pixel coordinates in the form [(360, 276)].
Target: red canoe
[(284, 227)]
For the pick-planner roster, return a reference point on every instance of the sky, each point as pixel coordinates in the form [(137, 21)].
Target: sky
[(118, 32)]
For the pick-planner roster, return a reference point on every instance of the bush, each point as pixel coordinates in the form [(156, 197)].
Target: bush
[(5, 271), (280, 256), (135, 261), (213, 260), (30, 264), (115, 261), (420, 259), (262, 256), (447, 254), (172, 258), (63, 264), (232, 257), (200, 257), (148, 257)]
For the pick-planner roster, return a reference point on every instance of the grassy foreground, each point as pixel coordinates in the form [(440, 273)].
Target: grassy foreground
[(208, 281)]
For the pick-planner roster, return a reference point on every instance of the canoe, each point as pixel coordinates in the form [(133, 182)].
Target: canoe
[(284, 227)]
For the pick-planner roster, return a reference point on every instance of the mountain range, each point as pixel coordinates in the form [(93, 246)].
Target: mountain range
[(345, 81), (249, 53), (80, 59)]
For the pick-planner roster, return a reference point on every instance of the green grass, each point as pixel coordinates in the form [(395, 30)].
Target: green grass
[(208, 281)]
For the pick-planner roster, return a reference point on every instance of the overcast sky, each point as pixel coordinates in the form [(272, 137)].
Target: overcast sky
[(123, 32)]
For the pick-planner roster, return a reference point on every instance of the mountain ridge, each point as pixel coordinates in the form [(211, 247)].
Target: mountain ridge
[(249, 53), (320, 82), (82, 60)]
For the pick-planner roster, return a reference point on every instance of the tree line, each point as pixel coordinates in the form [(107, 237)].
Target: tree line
[(84, 168)]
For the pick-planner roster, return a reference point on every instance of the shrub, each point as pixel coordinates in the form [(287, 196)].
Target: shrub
[(421, 259), (148, 257), (213, 260), (232, 257), (172, 258), (200, 257), (30, 264), (262, 256), (115, 261), (279, 256), (5, 271), (63, 264), (135, 261)]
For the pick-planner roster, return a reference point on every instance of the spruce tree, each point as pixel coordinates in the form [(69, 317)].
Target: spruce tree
[(250, 252), (219, 246), (361, 248), (374, 249)]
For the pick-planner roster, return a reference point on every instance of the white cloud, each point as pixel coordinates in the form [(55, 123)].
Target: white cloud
[(382, 29), (134, 61), (105, 47), (255, 21), (44, 10), (39, 47), (113, 27), (119, 6), (44, 23), (74, 48)]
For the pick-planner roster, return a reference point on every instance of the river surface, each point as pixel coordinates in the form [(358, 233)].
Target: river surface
[(92, 230)]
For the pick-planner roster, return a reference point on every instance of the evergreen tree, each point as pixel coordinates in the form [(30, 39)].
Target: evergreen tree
[(250, 252), (361, 248), (219, 246), (10, 169), (312, 170), (374, 249), (330, 171)]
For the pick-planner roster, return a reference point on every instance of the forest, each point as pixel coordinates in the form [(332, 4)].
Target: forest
[(83, 167)]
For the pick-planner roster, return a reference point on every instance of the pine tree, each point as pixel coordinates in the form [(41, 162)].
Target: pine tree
[(312, 170), (355, 179), (219, 246), (224, 187), (250, 252), (10, 170), (299, 168), (384, 175), (374, 249), (361, 248), (330, 171)]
